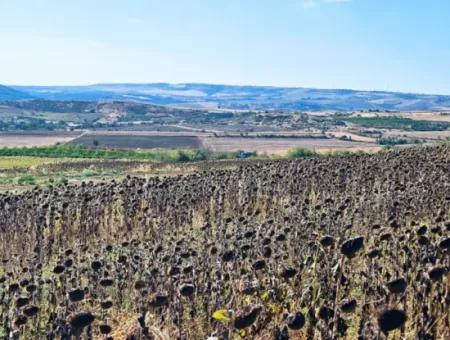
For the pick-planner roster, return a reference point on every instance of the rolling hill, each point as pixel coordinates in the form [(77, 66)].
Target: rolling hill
[(7, 93), (209, 96)]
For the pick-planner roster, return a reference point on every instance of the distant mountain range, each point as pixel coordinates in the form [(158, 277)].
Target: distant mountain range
[(208, 96), (8, 93)]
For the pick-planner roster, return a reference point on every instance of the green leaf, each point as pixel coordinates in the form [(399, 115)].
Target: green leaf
[(265, 296)]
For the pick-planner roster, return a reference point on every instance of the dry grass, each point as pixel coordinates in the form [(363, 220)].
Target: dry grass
[(368, 149), (432, 135), (431, 116), (20, 140), (355, 137), (25, 162), (279, 146)]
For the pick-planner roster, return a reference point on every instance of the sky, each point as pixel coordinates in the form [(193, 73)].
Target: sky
[(393, 45)]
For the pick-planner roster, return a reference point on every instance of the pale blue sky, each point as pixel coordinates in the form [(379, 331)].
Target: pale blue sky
[(401, 45)]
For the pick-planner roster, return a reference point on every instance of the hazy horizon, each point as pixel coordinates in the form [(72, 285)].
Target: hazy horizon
[(324, 44), (220, 84)]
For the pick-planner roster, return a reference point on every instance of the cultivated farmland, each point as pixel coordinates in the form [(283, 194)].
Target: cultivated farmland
[(131, 141), (325, 247)]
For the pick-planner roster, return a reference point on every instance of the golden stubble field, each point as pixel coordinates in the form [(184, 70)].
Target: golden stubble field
[(280, 146), (39, 139)]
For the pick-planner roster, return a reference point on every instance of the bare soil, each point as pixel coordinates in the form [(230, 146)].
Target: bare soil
[(35, 139)]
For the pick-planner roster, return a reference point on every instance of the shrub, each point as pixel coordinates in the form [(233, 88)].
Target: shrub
[(393, 141), (300, 153), (25, 180)]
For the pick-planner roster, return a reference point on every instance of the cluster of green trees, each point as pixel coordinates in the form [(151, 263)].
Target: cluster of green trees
[(398, 141), (161, 155), (395, 122), (301, 153)]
